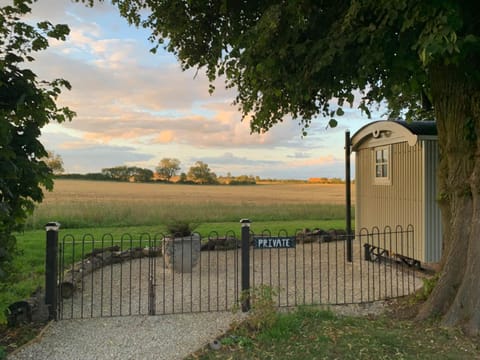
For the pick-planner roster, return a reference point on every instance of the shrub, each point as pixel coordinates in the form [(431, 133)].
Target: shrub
[(263, 313), (180, 228)]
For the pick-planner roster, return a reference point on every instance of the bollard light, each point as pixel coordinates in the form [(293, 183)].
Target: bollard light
[(245, 260), (52, 226), (51, 264), (245, 222)]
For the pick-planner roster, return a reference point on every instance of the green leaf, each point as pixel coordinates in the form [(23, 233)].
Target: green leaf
[(27, 104), (332, 123)]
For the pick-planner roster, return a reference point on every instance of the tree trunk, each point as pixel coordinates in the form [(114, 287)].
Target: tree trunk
[(456, 298)]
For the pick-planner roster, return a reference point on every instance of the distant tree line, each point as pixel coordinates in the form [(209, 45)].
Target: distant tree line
[(128, 173), (88, 176), (167, 171), (325, 180)]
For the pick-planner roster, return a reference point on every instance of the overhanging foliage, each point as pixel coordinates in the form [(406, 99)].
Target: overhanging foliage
[(26, 105)]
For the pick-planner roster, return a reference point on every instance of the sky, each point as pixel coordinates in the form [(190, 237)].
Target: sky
[(135, 108)]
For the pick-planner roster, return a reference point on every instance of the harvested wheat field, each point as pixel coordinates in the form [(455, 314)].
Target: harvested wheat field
[(81, 190), (85, 204)]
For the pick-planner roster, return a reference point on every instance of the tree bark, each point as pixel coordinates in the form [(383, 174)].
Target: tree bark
[(456, 298)]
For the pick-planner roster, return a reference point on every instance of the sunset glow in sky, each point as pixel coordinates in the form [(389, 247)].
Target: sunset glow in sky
[(135, 108)]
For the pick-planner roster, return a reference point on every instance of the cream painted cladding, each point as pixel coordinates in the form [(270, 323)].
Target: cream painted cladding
[(395, 178)]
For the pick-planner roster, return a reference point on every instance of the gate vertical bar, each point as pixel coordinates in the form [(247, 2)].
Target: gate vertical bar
[(348, 197), (151, 277), (245, 297), (51, 265)]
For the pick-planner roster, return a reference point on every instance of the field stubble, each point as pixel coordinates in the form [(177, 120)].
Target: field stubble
[(77, 203)]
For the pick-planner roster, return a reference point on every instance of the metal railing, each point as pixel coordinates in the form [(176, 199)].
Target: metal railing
[(317, 269), (142, 275)]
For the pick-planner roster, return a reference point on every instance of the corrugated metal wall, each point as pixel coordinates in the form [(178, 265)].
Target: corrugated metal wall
[(399, 204), (433, 224)]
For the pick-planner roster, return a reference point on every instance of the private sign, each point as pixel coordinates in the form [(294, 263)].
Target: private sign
[(274, 242)]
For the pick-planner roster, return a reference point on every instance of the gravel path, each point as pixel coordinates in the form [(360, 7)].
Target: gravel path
[(134, 337), (169, 337)]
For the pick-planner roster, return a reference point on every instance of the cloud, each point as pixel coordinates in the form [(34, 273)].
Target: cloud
[(81, 160), (137, 107), (332, 170), (119, 96), (230, 159), (76, 13), (165, 137), (318, 161), (299, 155), (84, 156), (322, 166)]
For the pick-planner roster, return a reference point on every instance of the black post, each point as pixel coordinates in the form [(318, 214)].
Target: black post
[(51, 269), (366, 252), (348, 197), (245, 264)]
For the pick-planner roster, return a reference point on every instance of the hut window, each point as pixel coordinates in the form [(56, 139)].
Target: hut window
[(382, 165)]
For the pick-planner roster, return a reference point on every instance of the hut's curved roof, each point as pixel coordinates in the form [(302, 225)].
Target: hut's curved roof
[(394, 132)]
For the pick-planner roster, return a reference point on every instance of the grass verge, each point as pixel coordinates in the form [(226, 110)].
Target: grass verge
[(308, 333), (149, 213)]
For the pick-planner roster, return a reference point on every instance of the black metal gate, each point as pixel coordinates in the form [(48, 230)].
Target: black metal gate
[(108, 276), (131, 276)]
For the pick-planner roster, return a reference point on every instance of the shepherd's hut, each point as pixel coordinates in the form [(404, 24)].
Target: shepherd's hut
[(395, 180)]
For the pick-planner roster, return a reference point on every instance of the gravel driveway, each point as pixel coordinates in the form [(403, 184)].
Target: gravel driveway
[(133, 337)]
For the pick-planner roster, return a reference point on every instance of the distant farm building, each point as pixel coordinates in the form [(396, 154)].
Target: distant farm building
[(325, 180), (395, 177)]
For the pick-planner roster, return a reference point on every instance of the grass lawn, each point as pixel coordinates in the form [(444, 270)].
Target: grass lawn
[(308, 333)]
